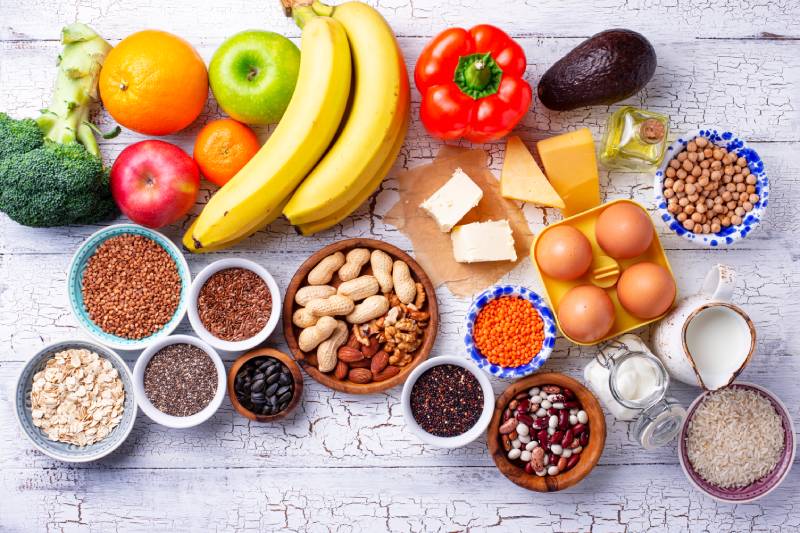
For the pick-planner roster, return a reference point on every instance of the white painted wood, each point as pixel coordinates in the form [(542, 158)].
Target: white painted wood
[(344, 462)]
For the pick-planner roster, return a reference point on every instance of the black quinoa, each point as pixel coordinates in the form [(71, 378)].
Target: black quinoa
[(447, 400)]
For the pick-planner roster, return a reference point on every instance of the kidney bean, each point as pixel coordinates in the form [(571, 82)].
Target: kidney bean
[(556, 398), (543, 438), (549, 458), (529, 468), (574, 444), (525, 419), (568, 394), (524, 405), (584, 440), (562, 464), (578, 428), (508, 426), (556, 437), (563, 419), (567, 438), (552, 411), (572, 461), (571, 404), (539, 423), (521, 396)]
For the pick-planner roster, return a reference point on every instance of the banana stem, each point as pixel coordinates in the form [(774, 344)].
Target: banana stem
[(323, 10), (302, 14)]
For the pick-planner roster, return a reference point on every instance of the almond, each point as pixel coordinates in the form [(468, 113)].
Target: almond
[(350, 355), (340, 372), (352, 342), (372, 348), (379, 361), (364, 363), (386, 373), (361, 376)]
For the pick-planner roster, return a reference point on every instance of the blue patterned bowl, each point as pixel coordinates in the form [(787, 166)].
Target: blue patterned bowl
[(78, 265), (544, 311), (730, 234), (61, 450)]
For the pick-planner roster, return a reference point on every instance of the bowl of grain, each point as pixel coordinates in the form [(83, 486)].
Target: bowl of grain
[(128, 286), (180, 381), (737, 443), (234, 304), (75, 401)]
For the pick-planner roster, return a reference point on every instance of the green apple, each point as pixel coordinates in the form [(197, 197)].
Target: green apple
[(253, 75)]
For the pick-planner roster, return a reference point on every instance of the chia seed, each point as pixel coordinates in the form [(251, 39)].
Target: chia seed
[(447, 400), (180, 380)]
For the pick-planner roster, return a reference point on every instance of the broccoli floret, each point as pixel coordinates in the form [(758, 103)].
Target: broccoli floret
[(51, 173)]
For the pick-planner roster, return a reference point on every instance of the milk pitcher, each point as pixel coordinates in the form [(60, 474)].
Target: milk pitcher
[(706, 341)]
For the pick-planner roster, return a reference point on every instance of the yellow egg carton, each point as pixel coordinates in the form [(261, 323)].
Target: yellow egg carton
[(603, 273)]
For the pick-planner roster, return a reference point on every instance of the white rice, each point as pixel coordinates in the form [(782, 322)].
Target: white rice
[(734, 437)]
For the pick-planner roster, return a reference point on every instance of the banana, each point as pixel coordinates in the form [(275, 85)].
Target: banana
[(379, 110), (362, 196), (256, 195)]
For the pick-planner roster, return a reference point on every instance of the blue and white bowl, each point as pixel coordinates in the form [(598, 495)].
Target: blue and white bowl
[(730, 234), (61, 450), (75, 276), (499, 291)]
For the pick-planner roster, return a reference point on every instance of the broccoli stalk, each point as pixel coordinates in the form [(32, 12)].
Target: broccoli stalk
[(51, 173)]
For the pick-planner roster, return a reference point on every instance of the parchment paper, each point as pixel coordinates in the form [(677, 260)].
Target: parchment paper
[(433, 249)]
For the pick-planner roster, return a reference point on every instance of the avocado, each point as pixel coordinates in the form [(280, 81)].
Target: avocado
[(606, 68)]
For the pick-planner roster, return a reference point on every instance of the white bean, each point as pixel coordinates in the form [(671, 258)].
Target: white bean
[(583, 417), (514, 453), (522, 429), (536, 400), (534, 391), (566, 453), (516, 443), (531, 445), (550, 431), (546, 404), (552, 398), (524, 439), (573, 411), (558, 405), (553, 422), (552, 471), (525, 456), (541, 412), (577, 449), (556, 449), (541, 473), (543, 395), (573, 420)]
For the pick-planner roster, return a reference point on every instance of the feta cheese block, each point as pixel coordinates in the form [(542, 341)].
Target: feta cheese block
[(483, 241), (453, 200)]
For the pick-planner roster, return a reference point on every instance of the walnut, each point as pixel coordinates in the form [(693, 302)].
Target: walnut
[(399, 358)]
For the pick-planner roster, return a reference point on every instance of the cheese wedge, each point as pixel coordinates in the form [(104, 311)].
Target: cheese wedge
[(570, 164), (522, 179), (483, 241), (453, 200)]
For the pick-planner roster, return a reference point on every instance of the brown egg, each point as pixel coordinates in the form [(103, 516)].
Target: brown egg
[(646, 290), (624, 231), (586, 313), (563, 253)]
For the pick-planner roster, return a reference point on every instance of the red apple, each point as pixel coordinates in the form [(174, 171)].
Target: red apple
[(154, 183)]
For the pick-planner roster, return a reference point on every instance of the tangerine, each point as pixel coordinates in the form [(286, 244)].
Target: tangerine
[(222, 148), (154, 82)]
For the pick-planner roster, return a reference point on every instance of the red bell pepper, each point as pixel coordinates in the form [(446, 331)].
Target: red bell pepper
[(471, 84)]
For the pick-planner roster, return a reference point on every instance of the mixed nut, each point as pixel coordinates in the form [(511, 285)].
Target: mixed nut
[(545, 430), (361, 325)]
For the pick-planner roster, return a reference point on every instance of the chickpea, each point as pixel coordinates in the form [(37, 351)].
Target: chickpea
[(746, 171), (731, 205), (739, 211), (753, 198), (675, 164), (689, 209), (729, 170), (681, 174), (701, 156), (742, 162), (716, 175), (726, 196), (718, 155), (693, 197), (705, 164), (716, 165), (727, 179), (670, 172), (718, 199), (692, 157), (735, 196), (678, 186), (750, 180), (701, 142), (747, 206), (741, 187), (738, 178), (716, 228), (683, 202), (691, 179), (736, 220), (668, 183), (674, 208), (692, 146), (750, 189), (682, 216), (701, 208), (730, 187), (687, 165), (688, 224), (703, 181), (690, 189), (682, 156), (708, 152), (706, 228), (697, 228), (697, 217), (726, 221), (709, 203), (669, 193), (697, 172)]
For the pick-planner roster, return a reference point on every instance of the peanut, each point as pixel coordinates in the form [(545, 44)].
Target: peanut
[(404, 286), (312, 292), (323, 272), (359, 288), (311, 337), (331, 306), (381, 264), (303, 318), (372, 307), (327, 351), (354, 261)]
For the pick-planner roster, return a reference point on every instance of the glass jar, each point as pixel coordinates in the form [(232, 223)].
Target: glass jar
[(635, 139), (632, 383)]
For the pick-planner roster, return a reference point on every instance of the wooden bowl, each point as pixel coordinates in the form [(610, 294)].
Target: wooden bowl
[(290, 363), (291, 331), (591, 452)]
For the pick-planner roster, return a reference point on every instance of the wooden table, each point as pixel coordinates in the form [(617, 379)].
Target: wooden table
[(346, 462)]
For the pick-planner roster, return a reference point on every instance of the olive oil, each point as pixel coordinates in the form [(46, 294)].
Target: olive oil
[(635, 139)]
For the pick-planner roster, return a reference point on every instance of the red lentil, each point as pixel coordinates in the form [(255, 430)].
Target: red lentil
[(509, 331)]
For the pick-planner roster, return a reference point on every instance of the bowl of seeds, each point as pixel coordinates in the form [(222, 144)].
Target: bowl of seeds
[(179, 381), (265, 385), (128, 286), (234, 304), (75, 401)]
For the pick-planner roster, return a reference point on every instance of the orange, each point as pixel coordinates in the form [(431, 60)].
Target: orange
[(222, 148), (154, 83)]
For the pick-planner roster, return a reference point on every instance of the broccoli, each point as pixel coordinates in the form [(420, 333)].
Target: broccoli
[(51, 173)]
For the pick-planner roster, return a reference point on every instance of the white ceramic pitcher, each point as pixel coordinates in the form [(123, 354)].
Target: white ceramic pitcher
[(669, 338)]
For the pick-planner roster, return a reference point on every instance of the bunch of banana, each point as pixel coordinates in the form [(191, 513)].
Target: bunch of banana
[(338, 139)]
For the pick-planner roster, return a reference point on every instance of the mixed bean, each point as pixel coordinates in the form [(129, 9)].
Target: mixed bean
[(545, 430)]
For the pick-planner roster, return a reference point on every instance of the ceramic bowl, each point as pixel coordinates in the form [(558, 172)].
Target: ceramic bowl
[(297, 378), (589, 456), (61, 450), (246, 344), (75, 276), (460, 440), (499, 291), (154, 413), (730, 234), (759, 488)]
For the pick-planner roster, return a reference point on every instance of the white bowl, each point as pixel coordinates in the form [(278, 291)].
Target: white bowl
[(234, 346), (178, 421), (476, 430)]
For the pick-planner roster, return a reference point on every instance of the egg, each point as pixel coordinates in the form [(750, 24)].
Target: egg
[(624, 230), (563, 253), (586, 313), (646, 290)]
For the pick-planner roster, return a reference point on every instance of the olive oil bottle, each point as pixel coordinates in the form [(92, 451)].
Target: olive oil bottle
[(635, 139)]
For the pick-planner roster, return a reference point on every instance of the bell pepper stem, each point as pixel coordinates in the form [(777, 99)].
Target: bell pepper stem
[(478, 75)]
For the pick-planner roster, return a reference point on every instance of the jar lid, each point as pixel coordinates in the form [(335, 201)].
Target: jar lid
[(659, 424)]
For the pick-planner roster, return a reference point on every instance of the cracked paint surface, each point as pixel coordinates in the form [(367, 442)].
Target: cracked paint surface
[(346, 463)]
